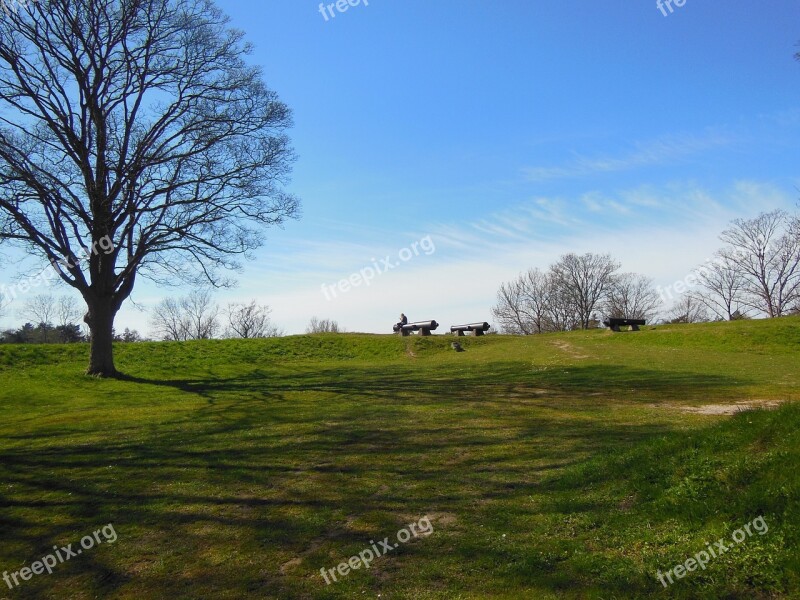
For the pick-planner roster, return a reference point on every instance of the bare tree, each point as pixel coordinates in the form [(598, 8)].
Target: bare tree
[(67, 311), (135, 141), (723, 288), (508, 312), (766, 253), (687, 309), (633, 296), (316, 325), (584, 282), (250, 321), (539, 292), (567, 296), (201, 315), (40, 310), (192, 317), (523, 305), (169, 322), (562, 312)]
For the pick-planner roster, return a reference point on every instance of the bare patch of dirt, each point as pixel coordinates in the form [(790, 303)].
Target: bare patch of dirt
[(288, 566), (627, 503), (436, 519), (569, 349), (443, 519), (724, 409), (521, 392)]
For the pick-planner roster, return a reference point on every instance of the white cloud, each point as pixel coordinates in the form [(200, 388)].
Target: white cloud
[(662, 232), (664, 150)]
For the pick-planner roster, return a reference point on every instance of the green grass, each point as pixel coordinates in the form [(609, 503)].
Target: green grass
[(554, 466)]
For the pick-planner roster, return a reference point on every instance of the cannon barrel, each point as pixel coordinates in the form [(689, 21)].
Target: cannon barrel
[(417, 325), (471, 327), (425, 327)]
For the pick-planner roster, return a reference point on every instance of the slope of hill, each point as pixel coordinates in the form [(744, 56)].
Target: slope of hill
[(574, 465)]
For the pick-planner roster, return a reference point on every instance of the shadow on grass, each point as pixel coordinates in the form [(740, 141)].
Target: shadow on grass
[(275, 465), (473, 383)]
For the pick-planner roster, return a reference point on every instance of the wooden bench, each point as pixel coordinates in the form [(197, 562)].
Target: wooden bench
[(615, 324), (423, 327), (474, 328)]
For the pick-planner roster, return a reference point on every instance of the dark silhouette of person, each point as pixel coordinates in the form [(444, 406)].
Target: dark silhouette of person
[(403, 321)]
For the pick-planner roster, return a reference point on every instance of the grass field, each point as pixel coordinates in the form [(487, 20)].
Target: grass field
[(554, 466)]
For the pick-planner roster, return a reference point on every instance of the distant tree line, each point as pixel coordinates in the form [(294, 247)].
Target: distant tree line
[(573, 294), (48, 319), (755, 274), (317, 325), (197, 317), (54, 320)]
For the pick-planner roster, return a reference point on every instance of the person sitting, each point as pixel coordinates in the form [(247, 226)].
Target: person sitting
[(403, 321)]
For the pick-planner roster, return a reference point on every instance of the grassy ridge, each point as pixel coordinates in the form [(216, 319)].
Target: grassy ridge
[(552, 466)]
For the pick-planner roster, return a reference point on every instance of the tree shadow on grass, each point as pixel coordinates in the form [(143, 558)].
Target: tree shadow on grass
[(281, 462), (474, 383)]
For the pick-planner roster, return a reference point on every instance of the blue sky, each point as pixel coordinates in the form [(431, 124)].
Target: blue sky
[(510, 133)]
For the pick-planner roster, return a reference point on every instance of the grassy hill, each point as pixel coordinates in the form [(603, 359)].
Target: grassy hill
[(558, 466)]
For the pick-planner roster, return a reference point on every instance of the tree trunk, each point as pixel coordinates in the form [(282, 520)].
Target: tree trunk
[(100, 319)]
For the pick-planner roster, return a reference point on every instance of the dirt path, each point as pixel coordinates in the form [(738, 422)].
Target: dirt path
[(724, 409), (569, 349)]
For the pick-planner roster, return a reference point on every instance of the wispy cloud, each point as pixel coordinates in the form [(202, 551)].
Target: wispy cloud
[(663, 150), (668, 230), (599, 203), (543, 221), (783, 118)]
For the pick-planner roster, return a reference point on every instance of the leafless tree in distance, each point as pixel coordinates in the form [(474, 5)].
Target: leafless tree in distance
[(687, 309), (569, 294), (201, 314), (136, 141), (192, 317), (633, 296), (563, 313), (40, 309), (766, 253), (539, 294), (526, 305), (250, 321), (169, 322), (584, 282), (316, 325), (508, 311), (68, 311), (722, 288)]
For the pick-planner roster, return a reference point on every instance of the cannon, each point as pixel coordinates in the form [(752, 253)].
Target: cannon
[(423, 327), (474, 328), (615, 324)]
